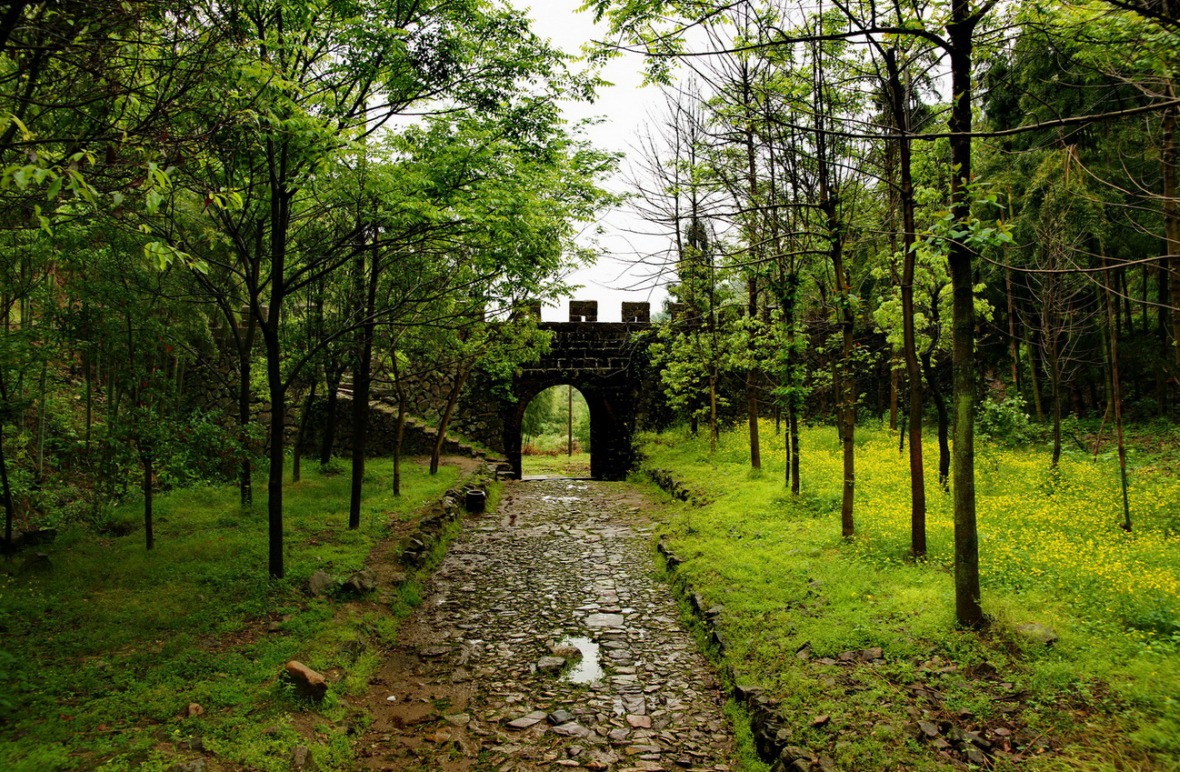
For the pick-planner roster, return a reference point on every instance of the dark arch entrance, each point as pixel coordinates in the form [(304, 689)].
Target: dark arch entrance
[(599, 360)]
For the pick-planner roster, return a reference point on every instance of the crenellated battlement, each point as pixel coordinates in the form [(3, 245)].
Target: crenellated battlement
[(583, 311)]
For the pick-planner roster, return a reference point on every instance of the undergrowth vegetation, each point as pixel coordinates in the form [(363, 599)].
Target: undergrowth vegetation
[(105, 652), (1052, 553)]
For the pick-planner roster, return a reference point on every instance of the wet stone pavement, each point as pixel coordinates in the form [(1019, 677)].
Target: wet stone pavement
[(546, 642)]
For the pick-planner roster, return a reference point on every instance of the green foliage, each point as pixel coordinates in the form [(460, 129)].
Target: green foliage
[(1004, 422), (547, 417)]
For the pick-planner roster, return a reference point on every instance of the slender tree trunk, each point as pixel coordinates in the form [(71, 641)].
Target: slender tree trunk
[(89, 376), (712, 411), (280, 221), (968, 608), (301, 434), (940, 407), (399, 390), (5, 489), (146, 457), (793, 427), (1169, 158), (245, 366), (452, 400), (1055, 383), (752, 380), (894, 390), (1035, 379), (333, 374), (362, 378), (42, 389), (1116, 399), (901, 113), (1013, 344)]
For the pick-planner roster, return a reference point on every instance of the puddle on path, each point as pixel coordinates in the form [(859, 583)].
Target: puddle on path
[(586, 670)]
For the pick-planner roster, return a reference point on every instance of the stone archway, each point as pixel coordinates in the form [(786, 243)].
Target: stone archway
[(599, 360)]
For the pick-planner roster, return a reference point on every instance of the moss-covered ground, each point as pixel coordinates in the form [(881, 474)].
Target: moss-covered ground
[(102, 655), (1104, 696)]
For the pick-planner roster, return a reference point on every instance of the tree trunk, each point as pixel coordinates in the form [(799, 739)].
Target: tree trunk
[(968, 608), (333, 375), (245, 351), (1035, 379), (900, 107), (5, 489), (752, 379), (399, 389), (1169, 158), (146, 458), (1055, 383), (793, 422), (452, 400), (1116, 398), (301, 434), (944, 443), (362, 378), (894, 377), (712, 411)]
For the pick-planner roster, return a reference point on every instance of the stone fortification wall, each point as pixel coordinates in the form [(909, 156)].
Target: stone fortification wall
[(381, 432)]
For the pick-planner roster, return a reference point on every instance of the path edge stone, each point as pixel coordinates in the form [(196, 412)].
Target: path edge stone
[(771, 737)]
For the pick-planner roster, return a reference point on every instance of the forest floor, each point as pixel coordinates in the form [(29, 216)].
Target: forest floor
[(117, 658), (1078, 671)]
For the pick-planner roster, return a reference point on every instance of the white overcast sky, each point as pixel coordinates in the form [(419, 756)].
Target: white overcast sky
[(625, 108)]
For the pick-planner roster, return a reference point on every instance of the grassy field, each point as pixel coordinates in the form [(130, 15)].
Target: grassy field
[(577, 465), (1103, 697), (103, 654)]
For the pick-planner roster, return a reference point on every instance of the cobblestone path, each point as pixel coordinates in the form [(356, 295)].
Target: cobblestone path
[(478, 682)]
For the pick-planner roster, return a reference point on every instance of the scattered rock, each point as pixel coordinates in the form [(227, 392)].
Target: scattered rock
[(308, 683), (872, 654), (566, 652), (639, 722), (560, 717), (524, 722), (928, 729), (550, 664), (194, 709), (572, 729), (301, 759), (605, 620), (360, 582), (458, 719), (196, 765), (352, 650), (321, 583), (601, 760)]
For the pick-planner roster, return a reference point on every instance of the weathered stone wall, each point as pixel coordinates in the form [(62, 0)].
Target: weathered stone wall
[(604, 362), (381, 432)]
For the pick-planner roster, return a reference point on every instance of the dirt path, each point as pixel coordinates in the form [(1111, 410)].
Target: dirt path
[(565, 563)]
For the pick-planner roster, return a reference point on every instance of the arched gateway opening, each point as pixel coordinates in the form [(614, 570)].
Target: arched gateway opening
[(555, 434), (600, 360)]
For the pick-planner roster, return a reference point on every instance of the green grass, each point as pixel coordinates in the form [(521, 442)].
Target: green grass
[(1051, 552), (577, 465), (102, 655)]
